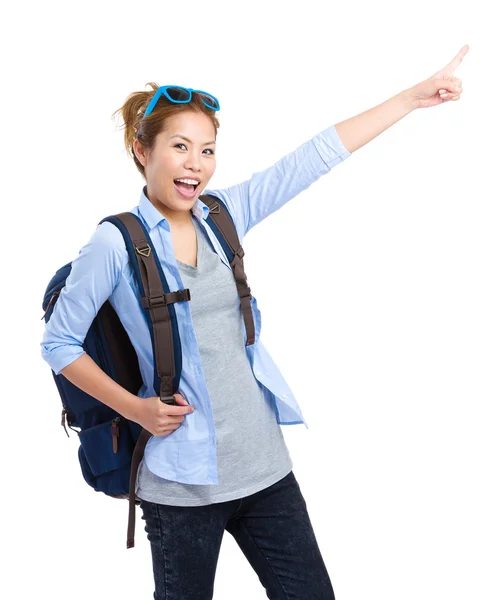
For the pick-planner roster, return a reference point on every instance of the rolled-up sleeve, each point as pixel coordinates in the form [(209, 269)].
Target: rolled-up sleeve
[(266, 191), (94, 275)]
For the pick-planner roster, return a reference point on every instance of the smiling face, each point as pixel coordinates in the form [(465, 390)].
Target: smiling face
[(184, 150)]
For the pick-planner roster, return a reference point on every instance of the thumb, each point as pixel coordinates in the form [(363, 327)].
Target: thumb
[(180, 400), (449, 84)]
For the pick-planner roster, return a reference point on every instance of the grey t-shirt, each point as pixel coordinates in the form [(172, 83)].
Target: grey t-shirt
[(251, 450)]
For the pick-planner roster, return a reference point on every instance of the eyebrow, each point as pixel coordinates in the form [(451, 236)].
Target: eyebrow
[(188, 140)]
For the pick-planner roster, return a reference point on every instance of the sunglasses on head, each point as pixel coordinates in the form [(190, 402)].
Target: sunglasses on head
[(181, 95)]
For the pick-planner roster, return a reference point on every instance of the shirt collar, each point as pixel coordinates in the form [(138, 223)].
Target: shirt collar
[(153, 216)]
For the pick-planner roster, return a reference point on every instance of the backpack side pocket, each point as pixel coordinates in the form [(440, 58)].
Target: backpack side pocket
[(105, 455)]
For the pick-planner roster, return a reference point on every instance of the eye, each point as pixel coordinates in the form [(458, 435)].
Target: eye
[(181, 144)]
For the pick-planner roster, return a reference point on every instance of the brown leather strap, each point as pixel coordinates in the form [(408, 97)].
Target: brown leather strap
[(227, 229), (155, 301), (135, 462)]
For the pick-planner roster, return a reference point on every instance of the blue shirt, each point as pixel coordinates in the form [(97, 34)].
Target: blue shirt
[(102, 271)]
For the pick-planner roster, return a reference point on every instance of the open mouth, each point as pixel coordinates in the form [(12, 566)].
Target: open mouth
[(187, 190)]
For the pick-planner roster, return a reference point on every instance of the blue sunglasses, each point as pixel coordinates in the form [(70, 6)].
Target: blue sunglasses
[(181, 95)]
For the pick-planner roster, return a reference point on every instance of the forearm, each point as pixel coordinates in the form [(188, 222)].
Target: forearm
[(361, 129), (86, 375)]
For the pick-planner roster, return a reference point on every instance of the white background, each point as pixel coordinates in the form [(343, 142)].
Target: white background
[(386, 358)]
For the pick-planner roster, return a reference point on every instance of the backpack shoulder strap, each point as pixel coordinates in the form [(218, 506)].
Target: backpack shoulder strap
[(157, 301), (221, 222)]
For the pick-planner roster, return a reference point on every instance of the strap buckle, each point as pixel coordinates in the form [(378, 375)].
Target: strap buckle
[(240, 252), (168, 400), (144, 251), (164, 299), (182, 295), (154, 301)]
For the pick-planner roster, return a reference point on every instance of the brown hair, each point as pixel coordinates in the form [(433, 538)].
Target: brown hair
[(146, 129)]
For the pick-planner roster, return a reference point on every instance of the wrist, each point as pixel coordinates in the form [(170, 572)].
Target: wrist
[(408, 100), (130, 406)]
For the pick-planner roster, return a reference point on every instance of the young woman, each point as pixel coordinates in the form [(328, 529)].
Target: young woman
[(216, 462)]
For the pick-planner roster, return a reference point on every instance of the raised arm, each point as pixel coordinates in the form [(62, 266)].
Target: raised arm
[(361, 129), (266, 191)]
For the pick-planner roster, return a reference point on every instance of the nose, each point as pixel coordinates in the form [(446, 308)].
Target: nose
[(193, 162)]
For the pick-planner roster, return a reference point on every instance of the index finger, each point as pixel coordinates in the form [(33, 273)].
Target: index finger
[(178, 410), (451, 66)]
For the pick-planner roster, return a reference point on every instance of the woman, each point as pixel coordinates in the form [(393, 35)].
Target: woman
[(218, 460)]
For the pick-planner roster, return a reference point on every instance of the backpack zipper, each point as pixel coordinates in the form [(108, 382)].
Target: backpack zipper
[(115, 434), (52, 300), (62, 422), (65, 413)]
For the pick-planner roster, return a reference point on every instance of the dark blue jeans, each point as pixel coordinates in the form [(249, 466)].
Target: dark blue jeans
[(272, 528)]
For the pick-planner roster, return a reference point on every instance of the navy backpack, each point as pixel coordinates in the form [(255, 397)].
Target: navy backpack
[(111, 446)]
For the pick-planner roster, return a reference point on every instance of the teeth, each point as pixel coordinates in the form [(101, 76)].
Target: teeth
[(190, 181)]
